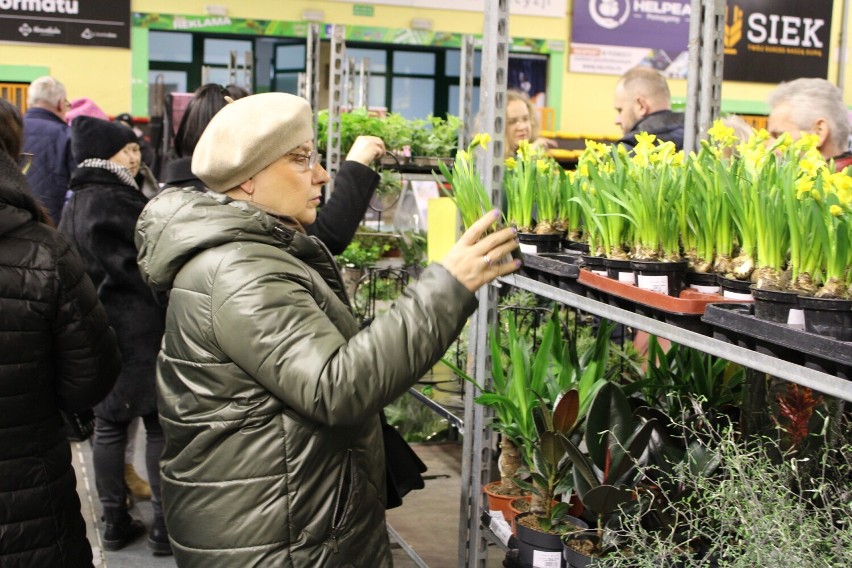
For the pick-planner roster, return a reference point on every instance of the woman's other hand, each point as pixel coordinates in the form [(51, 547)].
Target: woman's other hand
[(366, 149), (476, 260)]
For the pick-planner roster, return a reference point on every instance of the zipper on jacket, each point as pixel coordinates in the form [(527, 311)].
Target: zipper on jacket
[(283, 235), (341, 503)]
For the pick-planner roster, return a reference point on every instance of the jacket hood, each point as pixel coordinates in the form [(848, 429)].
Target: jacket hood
[(16, 201), (181, 222)]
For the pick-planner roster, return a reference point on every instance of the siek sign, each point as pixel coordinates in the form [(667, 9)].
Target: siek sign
[(770, 41), (71, 22)]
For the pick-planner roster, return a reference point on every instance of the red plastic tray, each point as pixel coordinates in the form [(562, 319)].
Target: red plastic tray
[(690, 302)]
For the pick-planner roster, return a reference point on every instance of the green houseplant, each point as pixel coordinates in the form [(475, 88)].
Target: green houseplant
[(607, 474)]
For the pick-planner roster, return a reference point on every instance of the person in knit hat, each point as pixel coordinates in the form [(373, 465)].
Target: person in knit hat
[(99, 218), (270, 392)]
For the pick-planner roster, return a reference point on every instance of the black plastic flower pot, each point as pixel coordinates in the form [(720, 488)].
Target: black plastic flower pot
[(830, 317), (532, 243), (778, 306), (620, 270), (735, 289), (704, 282), (576, 246), (664, 277), (536, 548), (573, 556), (594, 264)]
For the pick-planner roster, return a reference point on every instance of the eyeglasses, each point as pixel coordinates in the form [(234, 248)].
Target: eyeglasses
[(26, 160), (308, 161)]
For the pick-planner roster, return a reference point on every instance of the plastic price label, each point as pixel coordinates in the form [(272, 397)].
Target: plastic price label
[(528, 249), (654, 283), (501, 528), (737, 295), (704, 289), (543, 559), (796, 319), (627, 278)]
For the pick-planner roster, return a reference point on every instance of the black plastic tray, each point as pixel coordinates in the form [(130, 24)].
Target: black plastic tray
[(736, 324), (560, 270)]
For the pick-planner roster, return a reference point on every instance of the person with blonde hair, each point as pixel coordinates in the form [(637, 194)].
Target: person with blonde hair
[(814, 106), (47, 138), (643, 104), (522, 123)]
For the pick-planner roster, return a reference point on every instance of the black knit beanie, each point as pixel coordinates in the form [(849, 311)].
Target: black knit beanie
[(96, 138)]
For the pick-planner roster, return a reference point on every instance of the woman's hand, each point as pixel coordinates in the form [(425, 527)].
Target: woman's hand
[(366, 149), (475, 260)]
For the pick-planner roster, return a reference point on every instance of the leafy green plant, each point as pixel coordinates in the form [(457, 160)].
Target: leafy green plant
[(396, 131), (359, 255), (682, 380), (547, 460), (469, 195), (606, 476), (435, 136), (753, 511)]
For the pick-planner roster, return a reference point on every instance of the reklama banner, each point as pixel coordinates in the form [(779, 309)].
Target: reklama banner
[(104, 23), (769, 41)]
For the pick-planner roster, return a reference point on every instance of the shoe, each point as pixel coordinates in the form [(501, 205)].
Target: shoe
[(138, 487), (158, 538), (119, 534)]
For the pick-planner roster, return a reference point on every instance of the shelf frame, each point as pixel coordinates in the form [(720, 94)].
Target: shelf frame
[(793, 372)]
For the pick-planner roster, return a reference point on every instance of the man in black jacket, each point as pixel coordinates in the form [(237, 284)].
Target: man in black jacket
[(643, 103)]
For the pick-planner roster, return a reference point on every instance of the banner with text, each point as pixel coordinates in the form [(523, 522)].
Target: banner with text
[(69, 22), (611, 36), (769, 41), (548, 8)]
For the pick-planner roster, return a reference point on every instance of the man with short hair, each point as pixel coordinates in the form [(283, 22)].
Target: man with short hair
[(814, 106), (643, 103), (47, 138)]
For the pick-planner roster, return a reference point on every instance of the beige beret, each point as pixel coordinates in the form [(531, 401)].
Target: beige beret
[(248, 135)]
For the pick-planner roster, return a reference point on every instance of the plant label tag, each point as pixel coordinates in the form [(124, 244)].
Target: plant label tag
[(654, 283), (737, 295), (796, 319), (627, 278), (704, 289), (528, 249), (599, 272), (542, 559), (500, 527)]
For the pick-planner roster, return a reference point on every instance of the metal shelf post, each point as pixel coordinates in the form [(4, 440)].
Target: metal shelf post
[(335, 93), (476, 464)]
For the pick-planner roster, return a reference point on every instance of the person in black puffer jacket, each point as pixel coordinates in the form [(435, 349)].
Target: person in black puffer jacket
[(100, 218), (644, 104), (57, 352)]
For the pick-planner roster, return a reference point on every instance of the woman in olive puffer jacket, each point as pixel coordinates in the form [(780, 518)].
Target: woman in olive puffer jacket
[(57, 351), (269, 394)]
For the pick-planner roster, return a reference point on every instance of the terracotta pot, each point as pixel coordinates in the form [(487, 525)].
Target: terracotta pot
[(497, 501), (517, 506)]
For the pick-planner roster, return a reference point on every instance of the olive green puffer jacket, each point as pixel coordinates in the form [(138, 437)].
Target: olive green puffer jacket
[(269, 394)]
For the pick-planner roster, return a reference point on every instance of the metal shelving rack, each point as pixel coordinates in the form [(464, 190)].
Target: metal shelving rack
[(703, 103)]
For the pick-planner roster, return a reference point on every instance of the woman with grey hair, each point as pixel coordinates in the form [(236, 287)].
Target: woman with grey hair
[(814, 106)]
